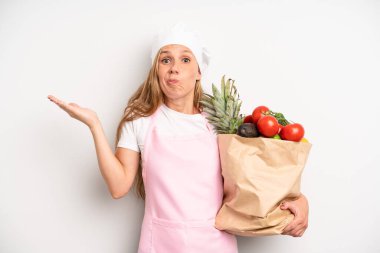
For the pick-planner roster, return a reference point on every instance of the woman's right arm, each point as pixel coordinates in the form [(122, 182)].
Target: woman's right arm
[(118, 170)]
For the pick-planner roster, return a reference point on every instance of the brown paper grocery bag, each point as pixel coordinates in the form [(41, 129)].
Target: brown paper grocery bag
[(258, 174)]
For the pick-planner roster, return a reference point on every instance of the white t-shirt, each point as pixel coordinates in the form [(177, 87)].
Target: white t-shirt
[(168, 121)]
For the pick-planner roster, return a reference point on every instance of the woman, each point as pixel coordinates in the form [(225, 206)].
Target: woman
[(178, 173)]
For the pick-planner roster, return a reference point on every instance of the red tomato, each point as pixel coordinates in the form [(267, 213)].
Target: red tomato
[(248, 119), (268, 126), (280, 128), (292, 132), (258, 113)]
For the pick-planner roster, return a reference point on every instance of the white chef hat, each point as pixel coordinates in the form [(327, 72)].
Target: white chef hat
[(178, 34)]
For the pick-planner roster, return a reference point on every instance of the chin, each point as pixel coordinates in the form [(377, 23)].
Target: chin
[(174, 97)]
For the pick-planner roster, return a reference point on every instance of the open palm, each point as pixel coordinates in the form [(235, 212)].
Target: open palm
[(85, 115)]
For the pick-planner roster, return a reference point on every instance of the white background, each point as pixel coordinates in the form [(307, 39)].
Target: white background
[(317, 62)]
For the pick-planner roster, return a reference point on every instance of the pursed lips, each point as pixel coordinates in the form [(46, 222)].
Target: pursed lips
[(172, 81)]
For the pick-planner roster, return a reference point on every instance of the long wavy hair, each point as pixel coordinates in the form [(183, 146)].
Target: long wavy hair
[(143, 103)]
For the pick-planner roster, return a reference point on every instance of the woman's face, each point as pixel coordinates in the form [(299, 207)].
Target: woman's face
[(177, 72)]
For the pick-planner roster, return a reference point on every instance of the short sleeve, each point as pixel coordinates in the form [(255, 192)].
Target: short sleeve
[(128, 137)]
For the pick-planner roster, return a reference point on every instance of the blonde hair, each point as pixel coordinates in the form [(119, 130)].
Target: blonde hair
[(143, 103)]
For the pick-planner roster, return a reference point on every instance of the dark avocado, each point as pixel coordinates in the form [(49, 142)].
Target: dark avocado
[(248, 130)]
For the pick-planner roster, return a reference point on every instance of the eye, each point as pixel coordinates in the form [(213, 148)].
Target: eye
[(186, 59), (165, 60)]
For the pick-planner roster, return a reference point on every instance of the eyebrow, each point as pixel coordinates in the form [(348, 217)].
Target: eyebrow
[(184, 51)]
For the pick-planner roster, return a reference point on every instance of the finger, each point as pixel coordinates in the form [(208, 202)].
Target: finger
[(298, 233), (65, 106), (299, 229), (292, 208), (285, 232), (295, 224), (72, 109), (288, 230), (290, 233), (293, 232), (55, 100), (52, 98)]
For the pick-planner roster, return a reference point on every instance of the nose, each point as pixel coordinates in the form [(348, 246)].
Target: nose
[(174, 67)]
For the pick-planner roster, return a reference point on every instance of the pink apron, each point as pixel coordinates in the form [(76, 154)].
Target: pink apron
[(184, 191)]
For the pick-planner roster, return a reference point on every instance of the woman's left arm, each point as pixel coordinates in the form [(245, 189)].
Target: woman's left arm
[(300, 209)]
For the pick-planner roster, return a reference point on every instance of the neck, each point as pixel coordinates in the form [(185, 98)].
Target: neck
[(186, 107)]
